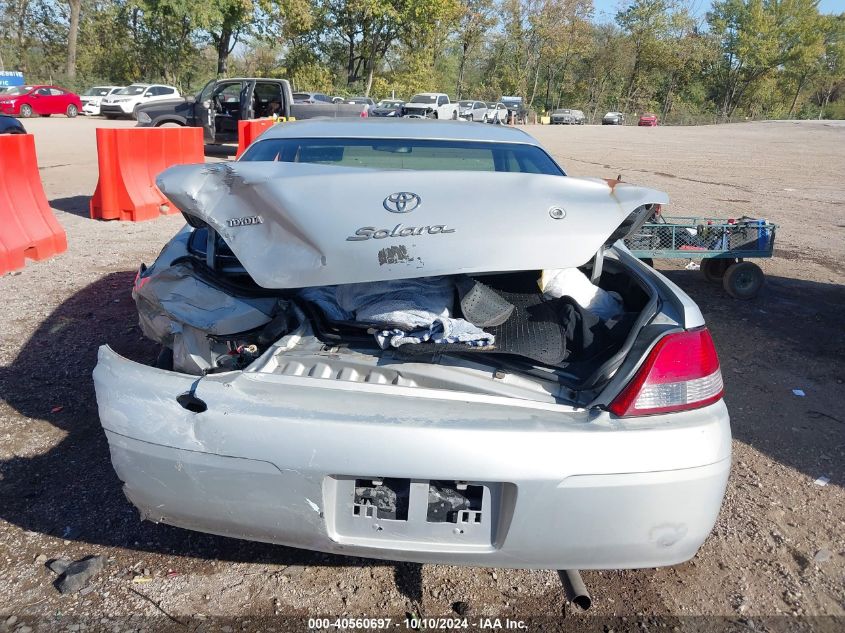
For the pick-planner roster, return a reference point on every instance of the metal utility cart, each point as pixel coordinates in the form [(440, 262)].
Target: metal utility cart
[(722, 245)]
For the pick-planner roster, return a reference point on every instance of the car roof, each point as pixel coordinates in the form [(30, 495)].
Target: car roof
[(354, 127)]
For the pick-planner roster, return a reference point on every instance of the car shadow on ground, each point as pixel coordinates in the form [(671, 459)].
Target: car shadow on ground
[(77, 205), (70, 490), (790, 337)]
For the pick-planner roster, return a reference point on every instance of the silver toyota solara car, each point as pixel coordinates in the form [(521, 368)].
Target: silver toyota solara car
[(418, 341)]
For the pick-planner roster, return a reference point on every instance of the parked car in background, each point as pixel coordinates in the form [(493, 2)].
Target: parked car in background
[(222, 103), (648, 120), (11, 125), (387, 107), (125, 101), (315, 97), (430, 105), (472, 110), (92, 98), (25, 101), (566, 116), (613, 118), (365, 101), (496, 113), (279, 414), (516, 107)]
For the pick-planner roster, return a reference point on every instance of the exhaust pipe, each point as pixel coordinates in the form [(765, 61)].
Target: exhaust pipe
[(575, 589)]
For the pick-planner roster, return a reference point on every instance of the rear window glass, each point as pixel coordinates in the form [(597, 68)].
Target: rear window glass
[(416, 154)]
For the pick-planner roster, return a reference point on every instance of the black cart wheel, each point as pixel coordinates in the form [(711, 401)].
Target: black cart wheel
[(743, 280), (713, 268)]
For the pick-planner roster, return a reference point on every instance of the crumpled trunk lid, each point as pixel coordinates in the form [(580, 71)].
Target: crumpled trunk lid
[(294, 225)]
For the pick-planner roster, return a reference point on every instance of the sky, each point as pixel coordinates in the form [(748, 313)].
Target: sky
[(606, 9)]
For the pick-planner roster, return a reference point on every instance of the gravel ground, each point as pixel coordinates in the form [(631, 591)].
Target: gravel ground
[(777, 551)]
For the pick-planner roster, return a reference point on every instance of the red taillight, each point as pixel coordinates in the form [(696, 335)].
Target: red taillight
[(681, 372)]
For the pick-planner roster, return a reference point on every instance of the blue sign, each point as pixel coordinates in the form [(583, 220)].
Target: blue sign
[(11, 78)]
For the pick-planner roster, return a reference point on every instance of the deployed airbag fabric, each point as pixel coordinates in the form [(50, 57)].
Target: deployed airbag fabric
[(571, 282)]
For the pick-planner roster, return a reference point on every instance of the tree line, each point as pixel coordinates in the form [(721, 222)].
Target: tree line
[(742, 59)]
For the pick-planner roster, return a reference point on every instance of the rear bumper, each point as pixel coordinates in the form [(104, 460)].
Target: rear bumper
[(275, 458)]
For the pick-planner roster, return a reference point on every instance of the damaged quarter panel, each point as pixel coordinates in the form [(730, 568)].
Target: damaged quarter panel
[(289, 229), (181, 311)]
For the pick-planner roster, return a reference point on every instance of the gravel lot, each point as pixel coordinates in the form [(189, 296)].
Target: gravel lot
[(778, 548)]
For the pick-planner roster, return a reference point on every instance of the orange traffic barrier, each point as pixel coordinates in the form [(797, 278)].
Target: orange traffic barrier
[(251, 129), (129, 161), (28, 227)]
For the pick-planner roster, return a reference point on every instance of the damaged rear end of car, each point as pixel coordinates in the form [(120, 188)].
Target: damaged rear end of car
[(424, 365)]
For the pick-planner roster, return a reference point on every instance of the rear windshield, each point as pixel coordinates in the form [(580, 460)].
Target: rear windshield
[(417, 154)]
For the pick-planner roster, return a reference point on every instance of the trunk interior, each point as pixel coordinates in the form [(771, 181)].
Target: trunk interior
[(547, 350), (526, 362)]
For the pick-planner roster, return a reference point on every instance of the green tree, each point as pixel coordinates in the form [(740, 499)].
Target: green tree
[(759, 38), (831, 74), (368, 30), (477, 17), (72, 36), (647, 24)]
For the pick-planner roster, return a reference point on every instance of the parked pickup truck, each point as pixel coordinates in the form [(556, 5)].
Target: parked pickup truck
[(223, 102), (430, 105)]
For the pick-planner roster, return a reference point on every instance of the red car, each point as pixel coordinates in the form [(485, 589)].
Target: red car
[(648, 120), (25, 101)]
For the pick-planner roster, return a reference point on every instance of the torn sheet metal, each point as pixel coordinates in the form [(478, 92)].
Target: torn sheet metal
[(293, 225), (168, 296), (180, 311)]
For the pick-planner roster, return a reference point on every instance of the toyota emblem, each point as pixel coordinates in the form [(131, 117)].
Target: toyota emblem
[(402, 202)]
